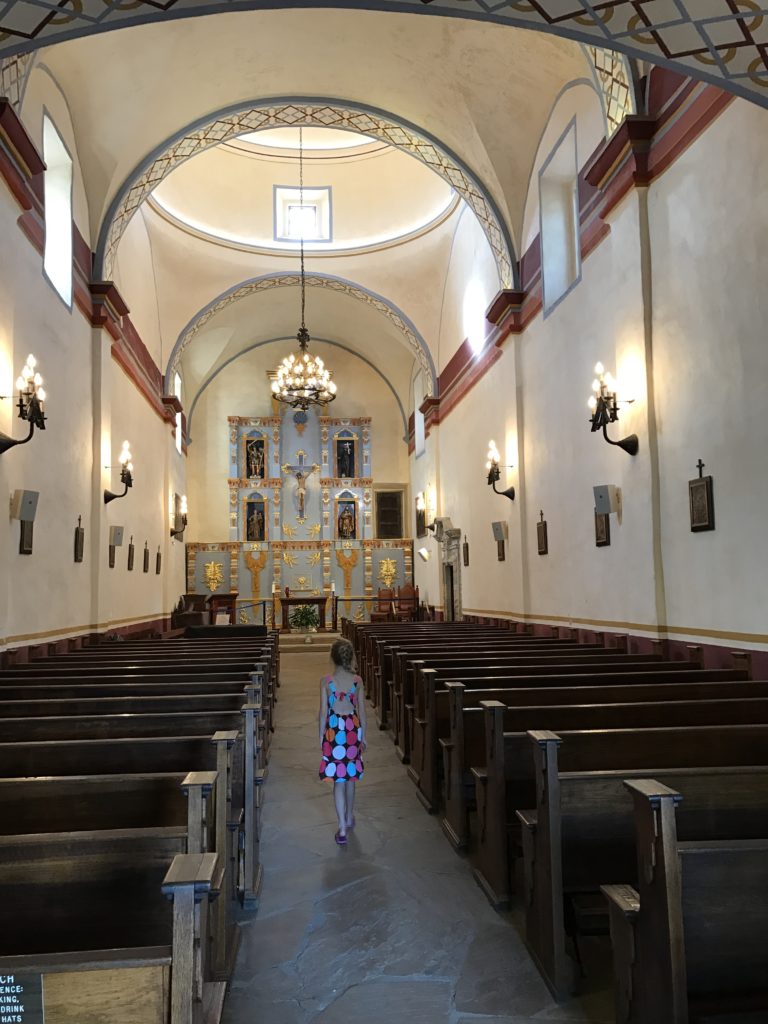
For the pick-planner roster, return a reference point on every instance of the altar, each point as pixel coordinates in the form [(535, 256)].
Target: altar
[(284, 605), (301, 511)]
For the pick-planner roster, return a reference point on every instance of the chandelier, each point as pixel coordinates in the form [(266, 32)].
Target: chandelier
[(302, 380)]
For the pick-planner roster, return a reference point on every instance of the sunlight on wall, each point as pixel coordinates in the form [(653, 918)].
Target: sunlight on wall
[(57, 260), (473, 314)]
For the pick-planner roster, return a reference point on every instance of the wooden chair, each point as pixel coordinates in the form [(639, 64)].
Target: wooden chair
[(382, 611), (407, 603)]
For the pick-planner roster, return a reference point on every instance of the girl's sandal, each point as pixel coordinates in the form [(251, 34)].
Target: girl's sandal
[(340, 839)]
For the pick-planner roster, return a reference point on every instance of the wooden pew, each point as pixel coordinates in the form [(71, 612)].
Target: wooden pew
[(507, 783), (396, 678), (408, 695), (690, 941), (580, 836), (428, 728), (465, 749), (231, 753), (90, 915)]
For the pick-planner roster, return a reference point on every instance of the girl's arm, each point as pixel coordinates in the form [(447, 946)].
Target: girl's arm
[(321, 717), (361, 709)]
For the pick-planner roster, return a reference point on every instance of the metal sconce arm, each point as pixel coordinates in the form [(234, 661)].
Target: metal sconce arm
[(177, 534), (125, 478), (494, 474)]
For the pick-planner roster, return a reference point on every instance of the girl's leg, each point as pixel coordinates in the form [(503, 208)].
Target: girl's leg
[(340, 799), (349, 786)]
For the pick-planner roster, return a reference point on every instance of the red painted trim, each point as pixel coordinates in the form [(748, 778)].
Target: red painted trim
[(27, 653), (639, 151), (14, 135)]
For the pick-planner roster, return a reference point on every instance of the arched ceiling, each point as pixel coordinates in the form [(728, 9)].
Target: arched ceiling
[(722, 41), (256, 313), (484, 92), (377, 194)]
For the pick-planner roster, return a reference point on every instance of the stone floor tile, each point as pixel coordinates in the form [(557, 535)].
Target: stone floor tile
[(391, 927)]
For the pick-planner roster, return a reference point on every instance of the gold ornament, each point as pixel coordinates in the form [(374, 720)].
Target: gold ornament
[(314, 530), (255, 565), (288, 530), (314, 558), (388, 571), (347, 562), (243, 617), (289, 559), (214, 575)]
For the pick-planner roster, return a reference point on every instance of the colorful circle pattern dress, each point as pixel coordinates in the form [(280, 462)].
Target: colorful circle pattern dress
[(342, 758)]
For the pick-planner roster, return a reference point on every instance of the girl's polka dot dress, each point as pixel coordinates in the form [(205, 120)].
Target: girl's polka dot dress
[(342, 757)]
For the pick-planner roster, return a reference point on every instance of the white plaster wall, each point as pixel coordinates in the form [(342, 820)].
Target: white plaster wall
[(580, 102), (411, 275), (489, 412), (144, 512), (425, 478), (709, 228), (44, 95), (241, 389), (135, 279), (601, 319), (44, 592), (470, 285)]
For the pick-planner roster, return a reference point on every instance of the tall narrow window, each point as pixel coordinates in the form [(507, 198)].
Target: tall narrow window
[(177, 393), (558, 206), (57, 258), (418, 417)]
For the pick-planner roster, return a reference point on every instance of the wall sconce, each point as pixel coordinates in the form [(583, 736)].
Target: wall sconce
[(126, 473), (493, 465), (423, 554), (180, 520), (29, 384), (605, 409)]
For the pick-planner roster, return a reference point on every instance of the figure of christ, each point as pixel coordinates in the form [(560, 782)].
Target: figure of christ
[(302, 475)]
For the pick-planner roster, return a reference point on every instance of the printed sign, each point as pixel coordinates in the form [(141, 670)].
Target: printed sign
[(21, 999)]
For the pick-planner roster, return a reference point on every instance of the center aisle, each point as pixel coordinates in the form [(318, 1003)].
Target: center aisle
[(391, 927)]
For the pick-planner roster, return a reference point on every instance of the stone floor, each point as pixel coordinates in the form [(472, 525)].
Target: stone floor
[(391, 927)]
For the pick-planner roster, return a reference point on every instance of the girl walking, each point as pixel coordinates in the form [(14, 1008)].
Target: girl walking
[(341, 722)]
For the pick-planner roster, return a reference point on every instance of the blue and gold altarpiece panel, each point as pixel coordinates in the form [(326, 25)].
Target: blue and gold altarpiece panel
[(300, 516)]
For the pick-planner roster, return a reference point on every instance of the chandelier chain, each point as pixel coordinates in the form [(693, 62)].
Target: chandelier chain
[(301, 221)]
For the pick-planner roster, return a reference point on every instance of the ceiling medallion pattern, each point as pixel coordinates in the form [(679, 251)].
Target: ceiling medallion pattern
[(612, 71), (264, 284), (722, 41), (138, 188), (13, 77)]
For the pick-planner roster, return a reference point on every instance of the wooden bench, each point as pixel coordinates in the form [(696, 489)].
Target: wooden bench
[(408, 684), (150, 755), (465, 747), (90, 915), (690, 941), (396, 678), (428, 728), (580, 836), (507, 783)]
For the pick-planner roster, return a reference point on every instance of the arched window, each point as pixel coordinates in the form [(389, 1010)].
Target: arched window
[(558, 206), (179, 430), (57, 257)]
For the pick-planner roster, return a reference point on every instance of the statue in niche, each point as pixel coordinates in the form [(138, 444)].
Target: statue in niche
[(255, 521), (347, 520), (345, 458), (254, 458)]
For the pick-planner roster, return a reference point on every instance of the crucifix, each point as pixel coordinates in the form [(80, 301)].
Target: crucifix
[(700, 466), (302, 472)]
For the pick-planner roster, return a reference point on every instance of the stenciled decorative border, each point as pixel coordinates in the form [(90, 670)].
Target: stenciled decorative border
[(721, 41), (231, 123), (396, 317)]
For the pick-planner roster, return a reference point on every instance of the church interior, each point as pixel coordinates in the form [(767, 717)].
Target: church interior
[(429, 327)]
